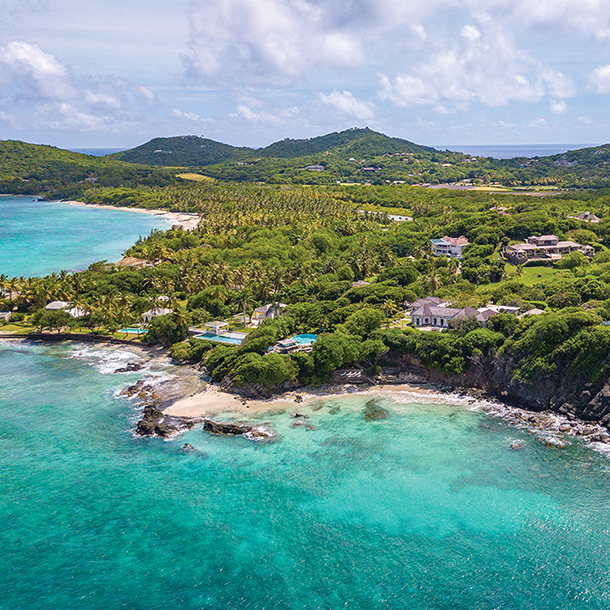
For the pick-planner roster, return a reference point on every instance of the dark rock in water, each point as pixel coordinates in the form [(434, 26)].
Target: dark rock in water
[(155, 423), (373, 412), (298, 398), (130, 367), (296, 414), (188, 448), (516, 445), (228, 428)]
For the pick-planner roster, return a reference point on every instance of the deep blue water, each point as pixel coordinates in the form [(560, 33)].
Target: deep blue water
[(428, 509), (97, 152), (38, 237), (510, 151)]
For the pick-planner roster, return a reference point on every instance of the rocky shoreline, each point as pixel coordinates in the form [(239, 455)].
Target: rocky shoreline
[(553, 428)]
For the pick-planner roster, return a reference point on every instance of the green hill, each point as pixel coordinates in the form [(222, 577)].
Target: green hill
[(194, 151), (351, 142), (182, 151), (40, 169)]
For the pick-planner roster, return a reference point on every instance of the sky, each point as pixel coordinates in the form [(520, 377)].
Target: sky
[(116, 73)]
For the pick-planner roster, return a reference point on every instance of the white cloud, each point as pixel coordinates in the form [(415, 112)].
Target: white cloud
[(483, 66), (189, 116), (469, 32), (276, 118), (43, 92), (600, 79), (266, 41), (558, 107), (347, 104)]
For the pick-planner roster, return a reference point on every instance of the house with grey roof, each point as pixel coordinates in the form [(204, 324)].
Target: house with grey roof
[(543, 248)]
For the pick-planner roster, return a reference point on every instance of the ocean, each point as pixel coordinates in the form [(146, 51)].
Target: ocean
[(427, 509), (39, 237), (510, 151)]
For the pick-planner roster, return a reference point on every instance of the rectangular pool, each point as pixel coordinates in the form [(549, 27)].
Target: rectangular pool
[(230, 338)]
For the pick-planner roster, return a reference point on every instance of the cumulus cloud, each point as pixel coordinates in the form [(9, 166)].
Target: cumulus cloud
[(48, 92), (483, 65), (558, 107), (276, 118), (347, 104), (422, 59), (600, 79), (267, 41)]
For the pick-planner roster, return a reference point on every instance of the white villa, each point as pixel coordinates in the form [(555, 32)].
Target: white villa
[(449, 246), (74, 312), (431, 312), (543, 248), (148, 316), (268, 312)]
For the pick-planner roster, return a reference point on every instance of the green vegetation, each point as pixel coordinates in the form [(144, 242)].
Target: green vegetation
[(333, 257)]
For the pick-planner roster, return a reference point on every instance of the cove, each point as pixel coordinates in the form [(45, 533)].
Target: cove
[(428, 508), (39, 237)]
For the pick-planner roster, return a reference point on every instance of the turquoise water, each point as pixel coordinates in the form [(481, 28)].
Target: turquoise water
[(427, 509), (38, 237), (133, 331), (220, 338), (305, 339)]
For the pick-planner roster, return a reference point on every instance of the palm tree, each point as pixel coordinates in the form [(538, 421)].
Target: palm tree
[(389, 308)]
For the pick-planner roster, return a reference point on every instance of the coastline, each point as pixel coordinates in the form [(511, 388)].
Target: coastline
[(180, 402), (186, 220), (554, 429)]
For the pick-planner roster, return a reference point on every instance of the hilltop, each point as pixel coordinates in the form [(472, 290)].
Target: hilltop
[(182, 151), (192, 151)]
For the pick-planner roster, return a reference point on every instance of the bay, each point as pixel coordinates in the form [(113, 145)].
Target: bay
[(429, 508), (39, 237)]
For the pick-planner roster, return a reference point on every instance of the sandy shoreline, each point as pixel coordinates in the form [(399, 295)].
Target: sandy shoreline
[(213, 401), (185, 220), (554, 429)]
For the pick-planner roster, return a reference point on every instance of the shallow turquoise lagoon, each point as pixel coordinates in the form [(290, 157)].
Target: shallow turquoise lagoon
[(427, 509), (38, 237)]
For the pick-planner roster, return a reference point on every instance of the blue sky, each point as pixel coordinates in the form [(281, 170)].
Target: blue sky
[(110, 73)]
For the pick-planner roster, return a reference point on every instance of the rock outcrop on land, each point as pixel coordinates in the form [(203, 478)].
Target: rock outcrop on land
[(492, 377)]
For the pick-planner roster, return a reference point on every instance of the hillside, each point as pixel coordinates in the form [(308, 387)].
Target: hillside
[(182, 151), (351, 142), (40, 169)]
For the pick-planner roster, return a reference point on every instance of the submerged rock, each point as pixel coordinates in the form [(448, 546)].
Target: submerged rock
[(238, 429), (373, 412)]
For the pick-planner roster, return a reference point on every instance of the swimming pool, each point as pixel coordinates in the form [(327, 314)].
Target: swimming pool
[(231, 338), (304, 339), (133, 331)]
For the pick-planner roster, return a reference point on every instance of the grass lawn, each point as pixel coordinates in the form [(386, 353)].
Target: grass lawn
[(16, 329), (196, 177)]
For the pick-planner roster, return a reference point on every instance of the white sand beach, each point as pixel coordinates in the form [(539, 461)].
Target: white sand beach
[(212, 400), (185, 220)]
